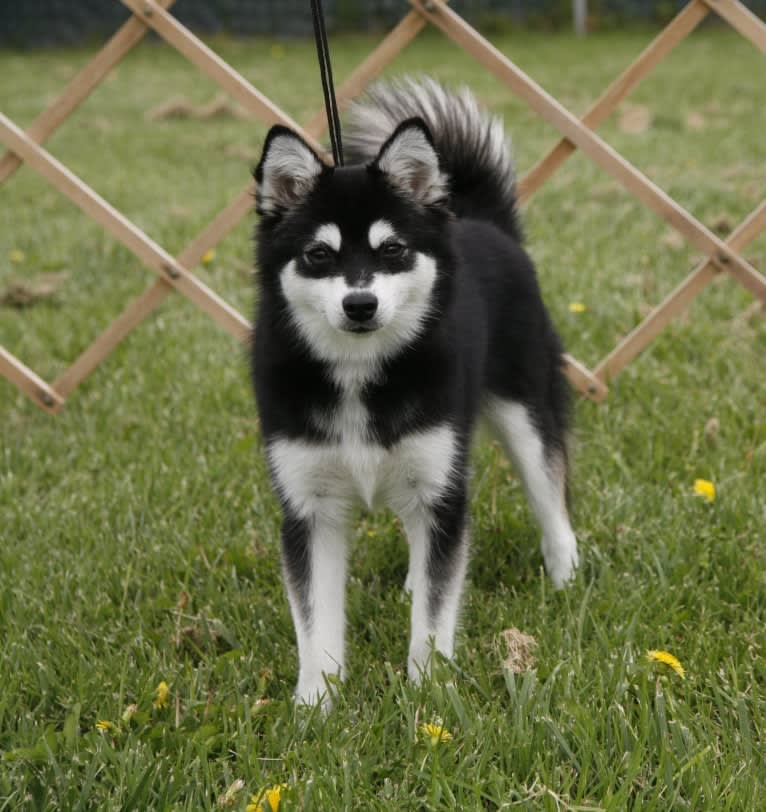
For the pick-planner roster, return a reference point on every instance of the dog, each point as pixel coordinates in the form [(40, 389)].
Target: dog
[(396, 306)]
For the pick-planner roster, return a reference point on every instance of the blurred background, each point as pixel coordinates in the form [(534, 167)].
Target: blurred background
[(50, 22)]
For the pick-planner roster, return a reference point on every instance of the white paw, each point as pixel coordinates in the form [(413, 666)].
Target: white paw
[(408, 583), (311, 695), (561, 559), (419, 660), (314, 691), (416, 670)]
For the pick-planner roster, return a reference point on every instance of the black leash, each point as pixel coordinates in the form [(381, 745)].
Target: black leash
[(331, 106)]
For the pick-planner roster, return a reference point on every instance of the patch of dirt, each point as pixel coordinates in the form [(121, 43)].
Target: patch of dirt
[(712, 429), (672, 239), (521, 647), (29, 293), (180, 107), (695, 121), (635, 120)]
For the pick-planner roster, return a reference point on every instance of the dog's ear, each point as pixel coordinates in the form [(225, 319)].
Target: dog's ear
[(410, 163), (286, 173)]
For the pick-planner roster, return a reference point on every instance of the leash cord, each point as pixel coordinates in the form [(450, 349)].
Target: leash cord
[(325, 70)]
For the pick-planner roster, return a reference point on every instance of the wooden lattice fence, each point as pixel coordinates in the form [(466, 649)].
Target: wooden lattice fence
[(174, 272)]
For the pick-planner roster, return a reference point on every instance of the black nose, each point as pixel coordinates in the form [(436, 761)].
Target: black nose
[(360, 306)]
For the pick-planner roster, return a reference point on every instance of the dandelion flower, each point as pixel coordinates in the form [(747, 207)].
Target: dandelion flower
[(577, 307), (666, 658), (104, 725), (704, 487), (271, 797), (435, 733), (161, 695), (208, 257), (16, 256)]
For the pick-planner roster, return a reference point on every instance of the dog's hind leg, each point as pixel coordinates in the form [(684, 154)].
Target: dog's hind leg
[(542, 466)]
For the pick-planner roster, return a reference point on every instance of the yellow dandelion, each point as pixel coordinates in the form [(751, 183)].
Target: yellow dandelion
[(704, 487), (16, 256), (161, 695), (208, 257), (104, 725), (577, 307), (666, 658), (271, 797), (435, 733)]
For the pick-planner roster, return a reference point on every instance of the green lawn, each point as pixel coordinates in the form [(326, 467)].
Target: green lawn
[(140, 536)]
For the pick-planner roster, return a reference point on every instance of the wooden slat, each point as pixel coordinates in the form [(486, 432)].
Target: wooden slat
[(29, 382), (83, 84), (153, 296), (119, 329), (677, 30), (742, 20), (591, 144), (175, 34), (148, 251), (584, 380), (677, 301)]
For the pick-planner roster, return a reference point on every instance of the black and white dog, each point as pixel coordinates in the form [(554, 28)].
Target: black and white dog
[(397, 305)]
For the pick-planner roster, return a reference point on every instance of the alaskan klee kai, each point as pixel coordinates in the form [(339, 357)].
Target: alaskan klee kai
[(397, 305)]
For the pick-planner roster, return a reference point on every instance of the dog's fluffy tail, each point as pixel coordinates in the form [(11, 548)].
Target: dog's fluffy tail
[(472, 145)]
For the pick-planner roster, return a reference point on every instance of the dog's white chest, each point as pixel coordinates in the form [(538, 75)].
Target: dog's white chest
[(327, 477)]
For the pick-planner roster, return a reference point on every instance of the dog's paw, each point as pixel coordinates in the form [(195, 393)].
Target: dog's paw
[(561, 560), (317, 690), (314, 695)]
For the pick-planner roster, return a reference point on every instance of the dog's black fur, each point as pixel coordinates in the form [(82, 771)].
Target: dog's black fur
[(486, 333)]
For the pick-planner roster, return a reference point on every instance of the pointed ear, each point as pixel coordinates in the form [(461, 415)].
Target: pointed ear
[(287, 172), (411, 165)]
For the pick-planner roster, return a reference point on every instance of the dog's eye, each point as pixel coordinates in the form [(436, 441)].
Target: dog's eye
[(318, 255), (392, 250)]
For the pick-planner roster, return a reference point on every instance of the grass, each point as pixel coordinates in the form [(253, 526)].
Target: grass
[(140, 535)]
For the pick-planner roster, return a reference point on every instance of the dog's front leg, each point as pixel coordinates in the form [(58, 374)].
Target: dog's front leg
[(314, 561), (438, 539)]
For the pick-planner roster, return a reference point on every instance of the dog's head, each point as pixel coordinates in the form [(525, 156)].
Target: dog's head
[(353, 253)]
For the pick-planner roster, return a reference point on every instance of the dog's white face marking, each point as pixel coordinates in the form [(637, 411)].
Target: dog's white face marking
[(329, 234), (316, 306), (380, 231)]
